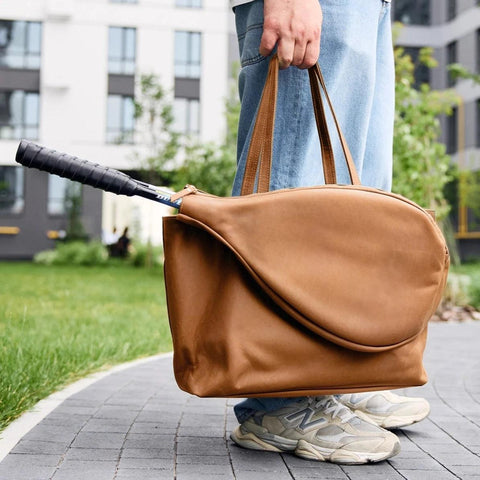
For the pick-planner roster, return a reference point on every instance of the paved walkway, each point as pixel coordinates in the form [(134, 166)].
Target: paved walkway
[(136, 425)]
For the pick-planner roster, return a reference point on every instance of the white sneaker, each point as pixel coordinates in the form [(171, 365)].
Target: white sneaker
[(387, 409), (317, 428)]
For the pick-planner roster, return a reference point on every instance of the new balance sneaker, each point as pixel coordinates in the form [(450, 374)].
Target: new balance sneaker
[(387, 409), (317, 428)]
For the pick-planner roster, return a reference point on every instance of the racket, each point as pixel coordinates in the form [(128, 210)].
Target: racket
[(32, 155)]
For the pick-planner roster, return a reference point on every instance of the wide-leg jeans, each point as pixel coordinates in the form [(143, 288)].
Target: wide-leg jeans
[(356, 58)]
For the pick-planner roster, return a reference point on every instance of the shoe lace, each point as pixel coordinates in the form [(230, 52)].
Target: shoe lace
[(329, 404)]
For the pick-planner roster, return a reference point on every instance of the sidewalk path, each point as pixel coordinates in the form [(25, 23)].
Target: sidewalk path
[(136, 425)]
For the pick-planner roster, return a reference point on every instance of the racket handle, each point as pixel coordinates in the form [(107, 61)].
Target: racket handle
[(34, 156)]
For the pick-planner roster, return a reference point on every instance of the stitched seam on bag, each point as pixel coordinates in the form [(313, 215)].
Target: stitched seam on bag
[(335, 389), (340, 187), (284, 305)]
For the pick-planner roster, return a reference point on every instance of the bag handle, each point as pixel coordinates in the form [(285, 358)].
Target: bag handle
[(259, 156)]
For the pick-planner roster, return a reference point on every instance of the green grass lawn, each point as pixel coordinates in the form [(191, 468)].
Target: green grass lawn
[(472, 270), (59, 323)]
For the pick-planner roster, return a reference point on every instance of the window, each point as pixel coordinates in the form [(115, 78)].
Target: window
[(11, 190), (121, 50), (120, 119), (452, 133), (19, 114), (188, 3), (187, 54), (20, 44), (451, 58), (477, 143), (451, 9), (422, 72), (412, 12), (187, 115), (60, 192), (478, 51)]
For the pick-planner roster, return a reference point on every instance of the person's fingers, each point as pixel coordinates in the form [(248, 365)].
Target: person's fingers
[(312, 52), (285, 51), (295, 27), (299, 49), (268, 41)]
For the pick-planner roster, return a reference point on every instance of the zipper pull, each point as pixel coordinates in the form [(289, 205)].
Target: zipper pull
[(188, 190)]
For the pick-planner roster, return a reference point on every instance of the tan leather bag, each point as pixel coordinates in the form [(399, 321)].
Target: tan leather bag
[(302, 291)]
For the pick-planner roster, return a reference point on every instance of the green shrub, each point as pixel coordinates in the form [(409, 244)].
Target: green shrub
[(463, 286), (458, 289), (145, 255), (46, 257), (74, 253)]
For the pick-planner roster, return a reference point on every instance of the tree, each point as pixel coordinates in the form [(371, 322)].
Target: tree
[(73, 208), (468, 181), (154, 115), (174, 159), (210, 166), (421, 167)]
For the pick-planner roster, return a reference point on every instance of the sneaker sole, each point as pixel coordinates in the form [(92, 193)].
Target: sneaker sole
[(393, 421), (308, 451), (312, 452), (251, 441)]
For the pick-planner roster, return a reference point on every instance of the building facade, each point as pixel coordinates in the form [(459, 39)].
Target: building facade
[(68, 71), (452, 28)]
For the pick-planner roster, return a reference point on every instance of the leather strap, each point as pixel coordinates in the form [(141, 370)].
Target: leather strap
[(259, 158), (346, 151)]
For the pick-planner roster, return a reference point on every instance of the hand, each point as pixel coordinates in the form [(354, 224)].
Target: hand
[(295, 26)]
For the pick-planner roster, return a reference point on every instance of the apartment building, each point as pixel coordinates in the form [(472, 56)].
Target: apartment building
[(67, 80), (452, 28), (68, 71)]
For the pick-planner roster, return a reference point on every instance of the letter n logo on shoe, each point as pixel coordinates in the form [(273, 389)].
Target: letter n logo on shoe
[(306, 415)]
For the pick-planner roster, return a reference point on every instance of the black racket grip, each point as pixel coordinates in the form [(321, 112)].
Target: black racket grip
[(32, 155)]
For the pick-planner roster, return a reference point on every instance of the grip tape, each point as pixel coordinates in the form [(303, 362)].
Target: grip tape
[(32, 155)]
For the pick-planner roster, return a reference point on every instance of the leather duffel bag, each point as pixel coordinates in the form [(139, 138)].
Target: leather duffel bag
[(302, 291)]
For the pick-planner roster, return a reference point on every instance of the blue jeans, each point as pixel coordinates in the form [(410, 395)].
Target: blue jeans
[(356, 58)]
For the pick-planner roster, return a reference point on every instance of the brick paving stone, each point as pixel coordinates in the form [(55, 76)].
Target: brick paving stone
[(462, 470), (167, 452), (142, 474), (213, 469), (261, 475), (136, 424), (23, 472), (85, 470), (107, 425), (39, 448), (203, 460), (209, 476), (117, 412), (146, 441), (356, 471), (149, 463), (93, 454), (427, 475), (39, 460), (58, 434), (390, 475), (297, 463), (152, 428), (424, 463), (99, 440)]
